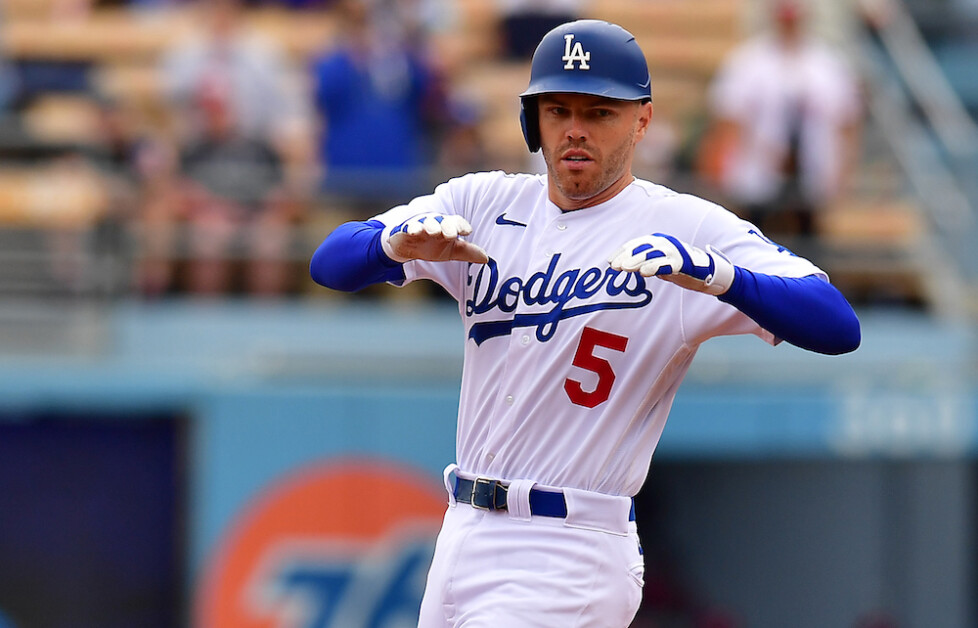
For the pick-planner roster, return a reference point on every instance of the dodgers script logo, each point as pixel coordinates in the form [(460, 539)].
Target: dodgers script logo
[(573, 292), (575, 53)]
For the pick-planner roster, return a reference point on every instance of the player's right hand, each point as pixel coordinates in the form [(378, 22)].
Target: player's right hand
[(433, 237)]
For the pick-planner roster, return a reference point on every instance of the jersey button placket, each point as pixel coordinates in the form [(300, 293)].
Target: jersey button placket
[(551, 249)]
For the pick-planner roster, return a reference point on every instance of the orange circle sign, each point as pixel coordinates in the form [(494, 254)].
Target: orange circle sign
[(332, 545)]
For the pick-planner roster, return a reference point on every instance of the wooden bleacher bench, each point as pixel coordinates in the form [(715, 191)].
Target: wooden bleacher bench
[(873, 223), (63, 119), (879, 247), (106, 35), (699, 57), (721, 18), (473, 39), (676, 97), (55, 196), (120, 35), (678, 36)]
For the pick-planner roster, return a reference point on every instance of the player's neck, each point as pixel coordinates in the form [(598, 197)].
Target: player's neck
[(567, 204)]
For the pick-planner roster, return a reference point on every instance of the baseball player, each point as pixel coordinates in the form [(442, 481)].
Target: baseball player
[(585, 294)]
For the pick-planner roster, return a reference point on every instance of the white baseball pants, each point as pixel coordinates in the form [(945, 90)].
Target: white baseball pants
[(508, 569)]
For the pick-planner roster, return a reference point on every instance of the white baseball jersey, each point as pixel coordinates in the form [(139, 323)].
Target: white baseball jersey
[(571, 367)]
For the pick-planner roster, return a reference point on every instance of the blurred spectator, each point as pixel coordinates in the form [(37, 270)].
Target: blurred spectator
[(254, 73), (233, 183), (786, 110), (235, 198), (523, 23), (231, 196), (381, 102), (158, 167)]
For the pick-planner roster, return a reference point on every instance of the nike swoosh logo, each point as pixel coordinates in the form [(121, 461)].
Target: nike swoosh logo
[(502, 220)]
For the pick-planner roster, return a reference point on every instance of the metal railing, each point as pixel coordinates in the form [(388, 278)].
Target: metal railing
[(925, 125)]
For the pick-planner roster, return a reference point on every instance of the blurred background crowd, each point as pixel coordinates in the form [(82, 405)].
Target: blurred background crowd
[(162, 147)]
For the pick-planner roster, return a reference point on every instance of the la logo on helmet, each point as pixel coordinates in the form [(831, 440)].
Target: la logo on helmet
[(575, 53)]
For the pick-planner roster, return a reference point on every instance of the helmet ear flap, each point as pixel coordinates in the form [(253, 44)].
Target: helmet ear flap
[(530, 123)]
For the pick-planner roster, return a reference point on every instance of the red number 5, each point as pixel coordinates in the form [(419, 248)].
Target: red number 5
[(585, 359)]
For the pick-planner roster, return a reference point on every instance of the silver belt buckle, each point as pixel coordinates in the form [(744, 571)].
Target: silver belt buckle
[(494, 485)]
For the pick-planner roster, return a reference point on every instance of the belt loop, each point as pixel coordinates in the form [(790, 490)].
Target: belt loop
[(518, 499), (450, 483), (594, 511)]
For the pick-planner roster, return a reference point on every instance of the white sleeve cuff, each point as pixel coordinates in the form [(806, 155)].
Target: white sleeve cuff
[(723, 273)]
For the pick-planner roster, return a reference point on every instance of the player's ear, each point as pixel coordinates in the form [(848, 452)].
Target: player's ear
[(644, 119)]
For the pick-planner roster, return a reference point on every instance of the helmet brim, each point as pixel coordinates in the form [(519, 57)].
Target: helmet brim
[(596, 86)]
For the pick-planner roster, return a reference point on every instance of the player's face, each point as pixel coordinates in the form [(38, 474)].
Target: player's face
[(588, 143)]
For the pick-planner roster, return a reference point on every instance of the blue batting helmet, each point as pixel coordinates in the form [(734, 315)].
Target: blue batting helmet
[(584, 57)]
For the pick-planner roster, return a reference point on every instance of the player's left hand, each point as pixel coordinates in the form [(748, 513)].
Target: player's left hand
[(663, 256)]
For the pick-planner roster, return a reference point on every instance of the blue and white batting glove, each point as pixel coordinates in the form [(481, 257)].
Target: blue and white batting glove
[(663, 256), (434, 237)]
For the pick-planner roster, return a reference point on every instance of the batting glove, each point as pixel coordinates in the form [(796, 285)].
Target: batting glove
[(664, 256), (433, 237)]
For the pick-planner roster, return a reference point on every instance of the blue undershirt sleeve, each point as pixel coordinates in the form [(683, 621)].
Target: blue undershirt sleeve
[(808, 312), (352, 258)]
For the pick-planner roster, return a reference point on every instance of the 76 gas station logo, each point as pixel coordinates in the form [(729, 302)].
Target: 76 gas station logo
[(331, 585)]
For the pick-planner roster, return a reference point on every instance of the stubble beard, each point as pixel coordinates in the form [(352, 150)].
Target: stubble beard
[(578, 188)]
